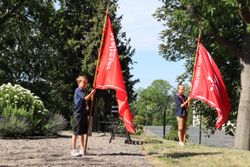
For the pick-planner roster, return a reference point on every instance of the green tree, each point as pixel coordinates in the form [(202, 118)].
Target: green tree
[(25, 44), (153, 101), (125, 52), (225, 32), (44, 48)]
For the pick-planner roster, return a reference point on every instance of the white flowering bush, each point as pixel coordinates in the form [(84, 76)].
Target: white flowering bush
[(19, 97), (22, 113)]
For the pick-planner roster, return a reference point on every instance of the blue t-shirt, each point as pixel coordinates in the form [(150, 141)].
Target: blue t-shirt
[(79, 101), (180, 111)]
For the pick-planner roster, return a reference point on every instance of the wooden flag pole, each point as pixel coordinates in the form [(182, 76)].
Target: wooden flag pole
[(96, 70), (188, 111)]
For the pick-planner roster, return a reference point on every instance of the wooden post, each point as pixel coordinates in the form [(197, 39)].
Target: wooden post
[(188, 110), (97, 65)]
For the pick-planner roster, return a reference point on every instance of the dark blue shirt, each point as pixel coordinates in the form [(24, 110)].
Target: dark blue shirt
[(180, 111), (79, 101)]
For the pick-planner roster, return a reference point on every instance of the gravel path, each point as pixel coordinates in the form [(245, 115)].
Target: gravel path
[(56, 152)]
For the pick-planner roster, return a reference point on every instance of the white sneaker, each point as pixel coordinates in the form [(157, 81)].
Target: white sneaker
[(82, 152), (181, 144), (75, 153)]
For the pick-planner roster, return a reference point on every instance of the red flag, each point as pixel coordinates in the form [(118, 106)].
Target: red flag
[(110, 76), (208, 85)]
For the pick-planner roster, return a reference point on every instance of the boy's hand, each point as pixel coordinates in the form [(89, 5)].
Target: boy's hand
[(92, 91)]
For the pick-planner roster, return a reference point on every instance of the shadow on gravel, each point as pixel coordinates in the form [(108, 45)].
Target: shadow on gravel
[(187, 154), (121, 154)]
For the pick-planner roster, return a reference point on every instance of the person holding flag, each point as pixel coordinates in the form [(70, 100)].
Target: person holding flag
[(80, 116), (182, 103), (108, 75), (208, 85)]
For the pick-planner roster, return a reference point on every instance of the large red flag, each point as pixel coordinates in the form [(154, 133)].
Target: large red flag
[(109, 76), (208, 85)]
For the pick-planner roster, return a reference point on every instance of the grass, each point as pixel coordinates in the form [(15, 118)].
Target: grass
[(170, 154)]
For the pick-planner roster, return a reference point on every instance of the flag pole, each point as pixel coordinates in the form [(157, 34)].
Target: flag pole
[(96, 70), (186, 121)]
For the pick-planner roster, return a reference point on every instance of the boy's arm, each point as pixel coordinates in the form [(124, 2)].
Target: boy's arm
[(185, 103), (90, 95)]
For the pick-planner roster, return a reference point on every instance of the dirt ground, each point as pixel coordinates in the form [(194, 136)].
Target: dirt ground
[(56, 152)]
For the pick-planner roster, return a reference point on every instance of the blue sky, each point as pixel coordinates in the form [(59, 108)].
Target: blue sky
[(144, 30)]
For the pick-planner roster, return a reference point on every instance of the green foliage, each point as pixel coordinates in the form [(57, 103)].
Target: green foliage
[(44, 48), (22, 113), (25, 44), (125, 51), (55, 124), (139, 127), (19, 97), (10, 111), (14, 122), (172, 134), (222, 35), (152, 102)]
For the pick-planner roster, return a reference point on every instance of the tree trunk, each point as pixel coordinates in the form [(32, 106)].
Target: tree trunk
[(242, 139)]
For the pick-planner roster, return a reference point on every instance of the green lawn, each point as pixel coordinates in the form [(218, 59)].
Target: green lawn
[(170, 154)]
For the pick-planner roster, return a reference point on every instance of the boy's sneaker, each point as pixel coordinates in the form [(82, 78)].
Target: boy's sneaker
[(181, 143), (75, 153), (81, 152)]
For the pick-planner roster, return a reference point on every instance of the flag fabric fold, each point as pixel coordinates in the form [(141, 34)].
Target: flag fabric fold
[(208, 85), (109, 75)]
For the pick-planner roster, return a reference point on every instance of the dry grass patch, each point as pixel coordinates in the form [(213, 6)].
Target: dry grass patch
[(170, 154)]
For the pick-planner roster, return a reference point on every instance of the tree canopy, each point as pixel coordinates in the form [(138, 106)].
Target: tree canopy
[(225, 33), (153, 101), (45, 45)]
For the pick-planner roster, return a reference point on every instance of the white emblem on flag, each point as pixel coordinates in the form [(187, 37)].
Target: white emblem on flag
[(214, 83)]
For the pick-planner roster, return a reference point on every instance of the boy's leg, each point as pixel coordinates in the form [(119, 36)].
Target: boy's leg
[(184, 128), (179, 128), (181, 122), (75, 125), (73, 141), (81, 137), (183, 131)]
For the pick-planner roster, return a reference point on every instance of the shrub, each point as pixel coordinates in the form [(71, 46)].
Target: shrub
[(139, 129), (138, 126), (172, 134), (13, 123), (22, 113), (19, 97), (56, 123)]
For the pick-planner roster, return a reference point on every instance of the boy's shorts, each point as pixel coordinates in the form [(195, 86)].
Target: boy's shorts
[(80, 124), (181, 122)]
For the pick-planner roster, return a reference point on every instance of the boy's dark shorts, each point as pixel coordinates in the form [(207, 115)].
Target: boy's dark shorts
[(80, 123)]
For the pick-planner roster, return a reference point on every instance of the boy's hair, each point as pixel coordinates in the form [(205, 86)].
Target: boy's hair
[(80, 78), (180, 85)]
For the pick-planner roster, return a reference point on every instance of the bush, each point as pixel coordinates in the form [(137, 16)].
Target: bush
[(56, 123), (172, 134), (13, 124), (22, 113), (20, 97), (138, 126), (139, 129)]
